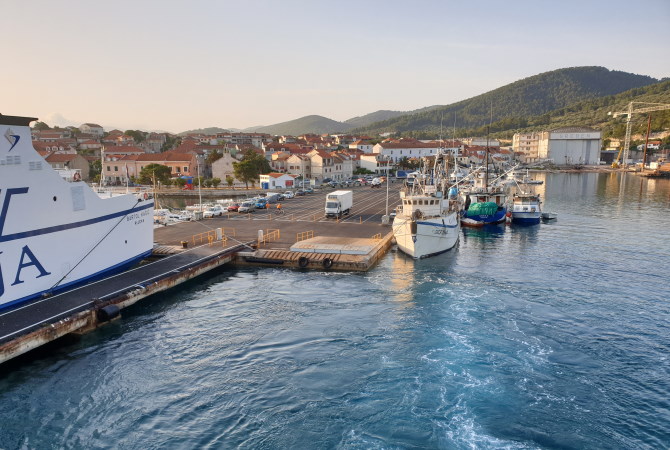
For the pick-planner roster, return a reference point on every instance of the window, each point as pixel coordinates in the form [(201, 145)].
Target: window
[(185, 169), (116, 168), (109, 169)]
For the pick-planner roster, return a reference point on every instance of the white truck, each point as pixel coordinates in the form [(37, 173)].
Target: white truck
[(339, 203)]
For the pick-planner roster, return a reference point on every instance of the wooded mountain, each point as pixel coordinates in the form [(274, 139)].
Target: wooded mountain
[(593, 113), (533, 96), (209, 130), (377, 116), (308, 124), (532, 99)]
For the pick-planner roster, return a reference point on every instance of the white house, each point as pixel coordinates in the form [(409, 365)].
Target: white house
[(364, 146), (376, 163), (405, 148), (92, 128), (276, 180)]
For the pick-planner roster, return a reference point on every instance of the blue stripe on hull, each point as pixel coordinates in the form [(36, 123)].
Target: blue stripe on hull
[(525, 220), (67, 226), (118, 268)]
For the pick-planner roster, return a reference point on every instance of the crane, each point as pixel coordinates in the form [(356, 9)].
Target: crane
[(633, 109)]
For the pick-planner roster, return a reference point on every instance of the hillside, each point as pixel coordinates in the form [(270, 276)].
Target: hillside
[(531, 96), (210, 130), (308, 124), (377, 116), (593, 113)]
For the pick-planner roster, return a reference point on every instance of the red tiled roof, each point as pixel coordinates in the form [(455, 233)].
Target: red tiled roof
[(61, 157)]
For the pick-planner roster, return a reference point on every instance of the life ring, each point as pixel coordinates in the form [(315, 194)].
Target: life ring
[(76, 176), (303, 261), (327, 263)]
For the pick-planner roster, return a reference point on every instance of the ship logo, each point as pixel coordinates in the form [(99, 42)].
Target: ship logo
[(12, 138)]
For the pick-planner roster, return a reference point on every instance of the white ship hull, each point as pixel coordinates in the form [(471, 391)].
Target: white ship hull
[(427, 236), (55, 234)]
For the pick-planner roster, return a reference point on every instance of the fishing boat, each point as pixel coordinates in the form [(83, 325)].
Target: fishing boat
[(485, 202), (58, 233), (526, 208), (427, 222), (526, 179)]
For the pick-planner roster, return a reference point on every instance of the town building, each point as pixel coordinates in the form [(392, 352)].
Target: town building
[(92, 128), (69, 161), (223, 168), (563, 146), (117, 168), (276, 180), (377, 163)]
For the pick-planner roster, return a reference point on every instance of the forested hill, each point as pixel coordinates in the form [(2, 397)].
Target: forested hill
[(533, 96), (307, 124)]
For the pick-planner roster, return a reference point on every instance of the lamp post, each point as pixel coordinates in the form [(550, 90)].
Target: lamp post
[(388, 162), (199, 190)]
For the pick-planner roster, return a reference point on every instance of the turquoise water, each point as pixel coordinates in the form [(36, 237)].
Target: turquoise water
[(550, 336)]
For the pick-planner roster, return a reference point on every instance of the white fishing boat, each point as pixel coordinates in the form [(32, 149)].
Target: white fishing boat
[(526, 208), (427, 223), (57, 233)]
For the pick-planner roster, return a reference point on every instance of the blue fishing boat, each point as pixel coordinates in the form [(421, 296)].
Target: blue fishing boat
[(526, 208)]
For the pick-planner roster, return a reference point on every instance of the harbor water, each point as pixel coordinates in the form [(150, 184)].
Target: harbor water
[(548, 336)]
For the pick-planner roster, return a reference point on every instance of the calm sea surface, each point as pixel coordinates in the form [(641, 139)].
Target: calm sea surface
[(551, 336)]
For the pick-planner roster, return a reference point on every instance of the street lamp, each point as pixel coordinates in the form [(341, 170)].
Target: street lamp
[(199, 191), (388, 161)]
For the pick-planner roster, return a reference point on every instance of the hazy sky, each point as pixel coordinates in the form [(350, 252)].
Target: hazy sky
[(177, 65)]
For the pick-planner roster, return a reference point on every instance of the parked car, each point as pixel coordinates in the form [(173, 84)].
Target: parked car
[(213, 211), (260, 204), (289, 194), (299, 192), (309, 190), (234, 207), (246, 207)]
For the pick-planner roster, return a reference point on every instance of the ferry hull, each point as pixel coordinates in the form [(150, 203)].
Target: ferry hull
[(426, 237), (55, 234)]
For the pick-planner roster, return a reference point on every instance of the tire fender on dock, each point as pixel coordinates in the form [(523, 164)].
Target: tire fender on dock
[(107, 313), (303, 261), (327, 263)]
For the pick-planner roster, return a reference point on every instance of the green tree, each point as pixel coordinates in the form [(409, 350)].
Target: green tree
[(41, 126), (215, 155), (158, 172), (230, 180), (170, 143), (245, 171), (179, 182), (94, 169), (252, 165), (216, 182), (139, 136)]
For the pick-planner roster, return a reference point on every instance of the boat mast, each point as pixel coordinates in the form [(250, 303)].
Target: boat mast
[(488, 132)]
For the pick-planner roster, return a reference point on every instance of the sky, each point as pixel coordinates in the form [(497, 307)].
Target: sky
[(176, 65)]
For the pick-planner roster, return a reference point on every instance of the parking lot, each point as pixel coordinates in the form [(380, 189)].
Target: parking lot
[(300, 214), (369, 205)]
